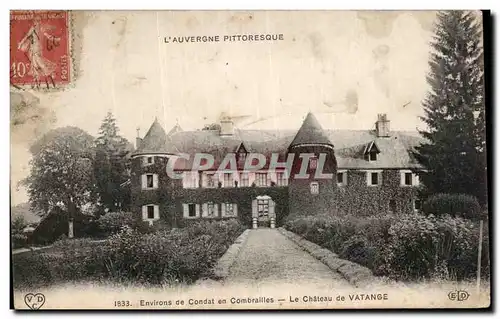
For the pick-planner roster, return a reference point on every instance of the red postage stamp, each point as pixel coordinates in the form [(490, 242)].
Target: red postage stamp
[(39, 48)]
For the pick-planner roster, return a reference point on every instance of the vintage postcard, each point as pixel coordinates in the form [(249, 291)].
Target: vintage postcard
[(248, 160)]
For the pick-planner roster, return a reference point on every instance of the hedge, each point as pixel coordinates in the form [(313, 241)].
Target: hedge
[(457, 205), (409, 246)]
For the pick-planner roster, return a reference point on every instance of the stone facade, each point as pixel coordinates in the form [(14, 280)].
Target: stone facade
[(371, 172)]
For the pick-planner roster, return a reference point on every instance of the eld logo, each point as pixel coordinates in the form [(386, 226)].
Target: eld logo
[(458, 295)]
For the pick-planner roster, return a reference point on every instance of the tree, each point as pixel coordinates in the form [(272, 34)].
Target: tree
[(454, 153), (61, 172), (111, 167)]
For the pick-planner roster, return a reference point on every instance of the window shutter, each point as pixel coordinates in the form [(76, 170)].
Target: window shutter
[(144, 212), (216, 210), (223, 209), (416, 179), (185, 209), (344, 178), (143, 181), (235, 209), (368, 178), (197, 210), (157, 212), (402, 177), (155, 180), (380, 178), (204, 210)]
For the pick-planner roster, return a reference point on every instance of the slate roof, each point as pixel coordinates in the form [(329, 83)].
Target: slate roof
[(310, 132), (349, 145), (175, 129), (156, 141)]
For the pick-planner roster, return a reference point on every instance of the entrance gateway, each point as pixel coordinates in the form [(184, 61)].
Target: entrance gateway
[(263, 212)]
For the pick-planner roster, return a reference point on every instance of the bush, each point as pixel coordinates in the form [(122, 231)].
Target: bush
[(403, 246), (111, 222), (359, 250), (184, 255), (457, 205)]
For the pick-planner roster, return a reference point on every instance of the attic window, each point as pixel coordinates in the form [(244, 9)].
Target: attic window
[(371, 152), (241, 153)]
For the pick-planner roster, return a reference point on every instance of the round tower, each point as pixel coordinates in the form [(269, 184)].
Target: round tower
[(150, 184), (313, 176)]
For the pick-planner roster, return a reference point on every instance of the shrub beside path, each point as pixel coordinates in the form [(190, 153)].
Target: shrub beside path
[(268, 256)]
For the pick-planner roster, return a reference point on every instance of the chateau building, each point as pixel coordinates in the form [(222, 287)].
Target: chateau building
[(358, 172)]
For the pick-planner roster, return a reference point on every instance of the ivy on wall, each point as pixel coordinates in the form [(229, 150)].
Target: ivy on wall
[(355, 198)]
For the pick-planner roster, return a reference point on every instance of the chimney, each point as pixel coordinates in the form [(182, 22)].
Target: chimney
[(226, 125), (138, 140), (382, 126)]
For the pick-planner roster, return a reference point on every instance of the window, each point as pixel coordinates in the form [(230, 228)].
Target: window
[(151, 211), (190, 179), (210, 209), (314, 188), (228, 180), (242, 156), (408, 179), (149, 181), (373, 178), (148, 160), (263, 207), (392, 206), (244, 181), (191, 210), (281, 179), (229, 210), (341, 178), (261, 179), (417, 205), (210, 180), (373, 156), (313, 163)]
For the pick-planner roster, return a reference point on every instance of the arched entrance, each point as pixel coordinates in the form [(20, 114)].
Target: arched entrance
[(263, 212)]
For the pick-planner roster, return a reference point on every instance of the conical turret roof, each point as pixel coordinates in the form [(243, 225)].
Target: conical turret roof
[(155, 141), (311, 132)]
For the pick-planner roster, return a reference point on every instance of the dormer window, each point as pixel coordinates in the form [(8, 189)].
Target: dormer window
[(371, 152), (241, 154)]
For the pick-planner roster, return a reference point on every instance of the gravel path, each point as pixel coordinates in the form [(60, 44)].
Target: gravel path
[(270, 257)]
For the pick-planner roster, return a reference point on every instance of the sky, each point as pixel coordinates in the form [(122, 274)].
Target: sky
[(345, 66)]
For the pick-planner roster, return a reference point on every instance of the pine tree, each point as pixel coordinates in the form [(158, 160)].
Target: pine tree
[(454, 155), (111, 167)]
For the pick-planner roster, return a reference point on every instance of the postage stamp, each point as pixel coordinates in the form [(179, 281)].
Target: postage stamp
[(40, 49), (234, 160)]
